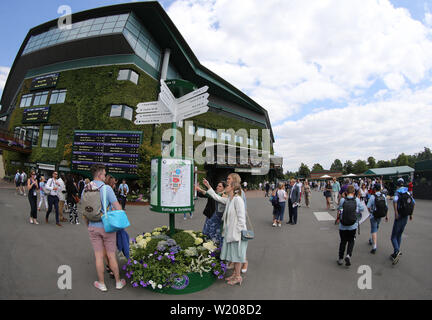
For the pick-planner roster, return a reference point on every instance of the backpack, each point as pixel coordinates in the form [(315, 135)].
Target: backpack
[(349, 216), (405, 204), (275, 201), (380, 207), (90, 205)]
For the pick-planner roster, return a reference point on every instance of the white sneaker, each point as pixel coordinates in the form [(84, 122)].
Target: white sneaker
[(274, 224), (101, 287), (280, 225), (184, 218), (31, 221), (120, 285)]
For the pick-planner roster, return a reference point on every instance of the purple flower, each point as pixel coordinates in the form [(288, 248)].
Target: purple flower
[(128, 275), (159, 258), (213, 254), (220, 277), (134, 285), (124, 268), (129, 262), (213, 265), (216, 272), (145, 265), (135, 262)]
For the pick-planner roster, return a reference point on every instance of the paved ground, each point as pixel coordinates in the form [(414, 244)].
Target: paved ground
[(292, 262)]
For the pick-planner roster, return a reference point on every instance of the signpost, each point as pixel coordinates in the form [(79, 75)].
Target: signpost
[(174, 176)]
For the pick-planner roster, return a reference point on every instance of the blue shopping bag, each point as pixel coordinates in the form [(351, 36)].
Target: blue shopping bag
[(115, 220)]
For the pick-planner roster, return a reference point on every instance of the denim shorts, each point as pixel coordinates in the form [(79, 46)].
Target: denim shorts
[(374, 224)]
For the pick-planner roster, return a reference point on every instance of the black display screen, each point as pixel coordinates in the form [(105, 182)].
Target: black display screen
[(36, 115), (45, 82), (117, 150)]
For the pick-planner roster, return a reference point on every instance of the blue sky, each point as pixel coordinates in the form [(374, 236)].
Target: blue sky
[(304, 62)]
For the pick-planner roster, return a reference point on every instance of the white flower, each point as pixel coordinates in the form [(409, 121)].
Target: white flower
[(159, 286), (150, 255), (166, 253)]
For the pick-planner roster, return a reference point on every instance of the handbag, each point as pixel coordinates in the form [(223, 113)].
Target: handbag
[(247, 235), (114, 220), (76, 198)]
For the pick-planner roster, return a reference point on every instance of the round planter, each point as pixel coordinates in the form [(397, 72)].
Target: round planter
[(190, 283)]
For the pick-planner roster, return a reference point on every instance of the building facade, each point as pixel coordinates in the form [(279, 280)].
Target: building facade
[(92, 75)]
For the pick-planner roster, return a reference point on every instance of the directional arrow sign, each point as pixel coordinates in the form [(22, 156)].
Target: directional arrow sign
[(198, 99), (192, 113), (193, 106), (167, 98), (153, 121), (153, 107), (193, 94), (155, 115)]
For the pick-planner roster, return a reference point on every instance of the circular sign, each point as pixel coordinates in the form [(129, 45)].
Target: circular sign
[(180, 283)]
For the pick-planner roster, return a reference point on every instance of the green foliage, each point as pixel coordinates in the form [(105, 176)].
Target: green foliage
[(371, 162), (304, 170), (151, 246), (360, 167), (336, 166), (317, 168), (184, 239), (348, 167)]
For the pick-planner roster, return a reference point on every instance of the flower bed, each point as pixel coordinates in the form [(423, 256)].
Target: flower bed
[(163, 263)]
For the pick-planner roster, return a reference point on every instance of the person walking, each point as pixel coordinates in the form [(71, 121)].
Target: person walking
[(123, 191), (18, 182), (378, 209), (53, 200), (403, 204), (72, 199), (234, 222), (213, 212), (23, 180), (335, 193), (101, 241), (328, 194), (307, 193), (62, 196), (32, 187), (267, 189), (282, 198), (293, 199), (81, 186), (42, 195), (350, 209)]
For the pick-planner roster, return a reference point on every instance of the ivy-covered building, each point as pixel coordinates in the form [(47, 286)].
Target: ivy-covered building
[(92, 75)]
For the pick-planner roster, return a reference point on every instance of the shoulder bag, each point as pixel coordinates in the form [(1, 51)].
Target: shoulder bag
[(248, 234), (115, 220)]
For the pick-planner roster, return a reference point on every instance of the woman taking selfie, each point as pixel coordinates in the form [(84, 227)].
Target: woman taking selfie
[(32, 187)]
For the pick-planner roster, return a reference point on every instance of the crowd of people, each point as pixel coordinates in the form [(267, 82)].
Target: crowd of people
[(226, 212), (350, 200)]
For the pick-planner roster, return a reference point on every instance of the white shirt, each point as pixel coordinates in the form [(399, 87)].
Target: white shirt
[(50, 185), (62, 187), (282, 195)]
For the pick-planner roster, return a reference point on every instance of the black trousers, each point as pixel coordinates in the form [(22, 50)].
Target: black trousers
[(53, 200), (123, 202), (292, 212), (347, 237), (33, 205)]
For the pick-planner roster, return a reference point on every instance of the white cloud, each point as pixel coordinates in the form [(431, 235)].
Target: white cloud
[(4, 72), (295, 52)]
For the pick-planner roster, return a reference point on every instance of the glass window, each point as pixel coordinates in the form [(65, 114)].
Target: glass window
[(40, 98), (49, 137), (109, 25), (116, 111), (120, 111), (128, 75), (111, 19), (127, 113), (58, 96), (200, 132), (26, 100), (153, 59)]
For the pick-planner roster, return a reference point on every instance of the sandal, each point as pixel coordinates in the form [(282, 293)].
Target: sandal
[(236, 280), (101, 287)]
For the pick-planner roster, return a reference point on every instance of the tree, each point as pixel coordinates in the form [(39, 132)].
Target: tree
[(402, 160), (348, 167), (317, 167), (360, 167), (304, 170), (383, 164), (336, 166), (424, 155), (371, 162)]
